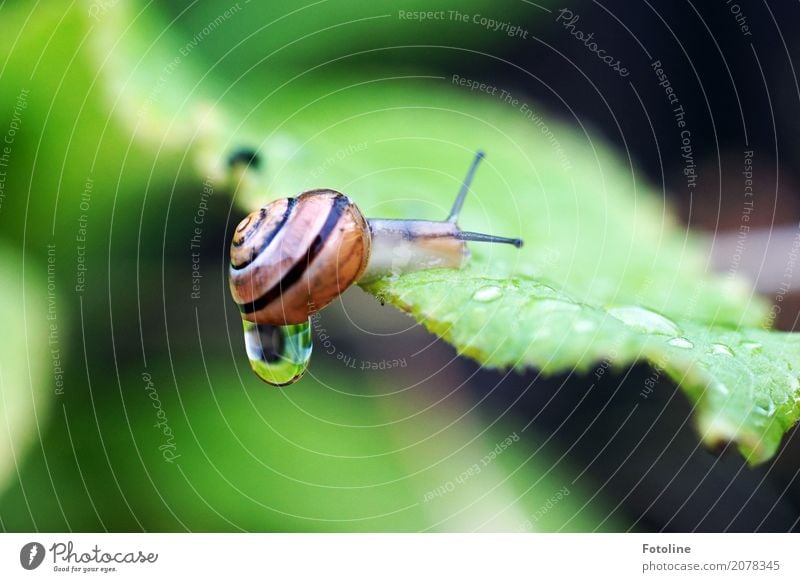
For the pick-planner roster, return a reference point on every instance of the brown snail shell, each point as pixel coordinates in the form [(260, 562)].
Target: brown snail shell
[(294, 256)]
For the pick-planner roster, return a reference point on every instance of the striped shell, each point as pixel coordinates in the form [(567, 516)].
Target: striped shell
[(296, 255)]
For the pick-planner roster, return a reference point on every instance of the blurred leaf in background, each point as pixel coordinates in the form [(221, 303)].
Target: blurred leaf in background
[(29, 369)]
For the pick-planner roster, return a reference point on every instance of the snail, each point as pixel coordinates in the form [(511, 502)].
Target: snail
[(294, 256)]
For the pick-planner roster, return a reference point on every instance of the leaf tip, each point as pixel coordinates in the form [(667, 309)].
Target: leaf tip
[(719, 432)]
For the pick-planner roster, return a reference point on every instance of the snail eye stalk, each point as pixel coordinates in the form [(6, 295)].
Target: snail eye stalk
[(462, 194)]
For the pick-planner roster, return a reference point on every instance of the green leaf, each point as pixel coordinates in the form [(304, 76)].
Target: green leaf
[(743, 382), (606, 272), (25, 385)]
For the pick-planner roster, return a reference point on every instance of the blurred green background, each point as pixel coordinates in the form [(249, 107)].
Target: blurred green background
[(130, 407)]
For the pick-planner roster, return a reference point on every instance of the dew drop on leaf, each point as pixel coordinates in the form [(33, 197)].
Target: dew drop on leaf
[(583, 325), (753, 347), (488, 293), (721, 350), (681, 342), (644, 320), (764, 406), (721, 388)]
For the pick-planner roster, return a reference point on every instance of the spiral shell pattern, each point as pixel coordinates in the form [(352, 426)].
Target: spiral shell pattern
[(294, 256)]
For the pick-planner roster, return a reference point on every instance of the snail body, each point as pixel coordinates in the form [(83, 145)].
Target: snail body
[(294, 256)]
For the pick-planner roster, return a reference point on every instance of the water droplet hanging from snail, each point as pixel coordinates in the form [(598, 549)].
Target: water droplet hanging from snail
[(294, 256)]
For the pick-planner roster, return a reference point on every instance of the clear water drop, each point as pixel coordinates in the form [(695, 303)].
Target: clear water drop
[(752, 346), (583, 326), (681, 342), (721, 350), (764, 406), (720, 388), (644, 320), (278, 355), (488, 293)]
